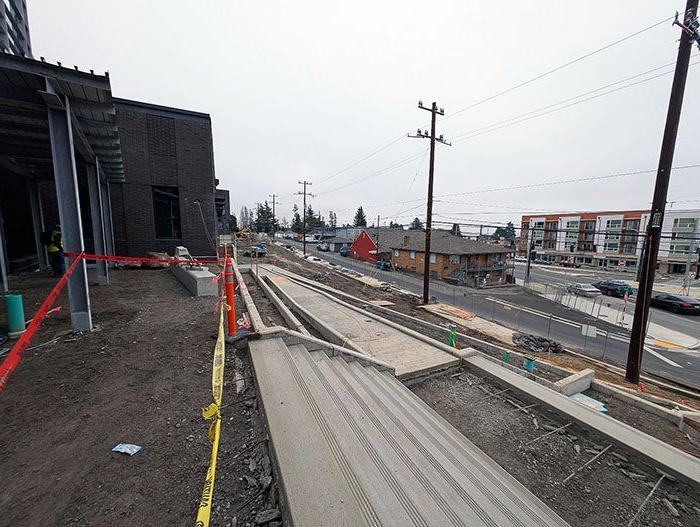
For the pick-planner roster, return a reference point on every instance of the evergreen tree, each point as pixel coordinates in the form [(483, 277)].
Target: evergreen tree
[(296, 220), (332, 220), (416, 225), (393, 225), (263, 219), (232, 223), (455, 229), (360, 218)]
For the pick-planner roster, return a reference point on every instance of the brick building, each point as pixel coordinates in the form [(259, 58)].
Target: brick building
[(168, 198), (454, 257), (611, 239)]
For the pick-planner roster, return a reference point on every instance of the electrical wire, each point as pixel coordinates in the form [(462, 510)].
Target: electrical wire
[(521, 118), (556, 69), (353, 165), (562, 181)]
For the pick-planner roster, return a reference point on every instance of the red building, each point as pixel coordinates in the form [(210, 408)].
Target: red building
[(364, 248)]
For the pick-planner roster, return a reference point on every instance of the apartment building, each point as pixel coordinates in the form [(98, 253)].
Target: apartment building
[(612, 239)]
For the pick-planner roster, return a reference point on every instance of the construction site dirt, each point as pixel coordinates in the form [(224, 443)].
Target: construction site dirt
[(142, 377), (607, 493)]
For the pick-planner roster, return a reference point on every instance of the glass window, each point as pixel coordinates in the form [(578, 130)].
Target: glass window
[(433, 257), (412, 255), (454, 258), (166, 212)]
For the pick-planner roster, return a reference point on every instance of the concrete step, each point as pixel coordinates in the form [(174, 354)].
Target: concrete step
[(400, 462), (313, 468), (481, 485)]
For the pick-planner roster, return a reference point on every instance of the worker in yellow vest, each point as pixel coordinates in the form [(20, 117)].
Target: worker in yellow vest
[(55, 249)]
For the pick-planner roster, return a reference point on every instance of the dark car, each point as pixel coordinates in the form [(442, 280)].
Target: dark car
[(384, 266), (343, 251), (257, 249), (616, 288), (677, 303)]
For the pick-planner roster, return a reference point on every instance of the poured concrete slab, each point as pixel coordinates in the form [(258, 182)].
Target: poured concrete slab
[(409, 355)]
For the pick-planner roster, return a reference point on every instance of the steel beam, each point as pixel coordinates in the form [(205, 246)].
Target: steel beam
[(68, 199), (98, 227), (37, 223)]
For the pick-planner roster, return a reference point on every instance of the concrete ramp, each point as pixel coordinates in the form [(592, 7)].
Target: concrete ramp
[(354, 447), (409, 355)]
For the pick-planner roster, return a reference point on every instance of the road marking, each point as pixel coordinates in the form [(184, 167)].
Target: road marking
[(659, 356)]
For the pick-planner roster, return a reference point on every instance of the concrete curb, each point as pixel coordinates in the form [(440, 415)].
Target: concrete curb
[(255, 318), (287, 315), (326, 331)]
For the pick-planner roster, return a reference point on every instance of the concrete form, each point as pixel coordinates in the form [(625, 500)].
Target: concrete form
[(576, 383), (354, 447), (411, 353)]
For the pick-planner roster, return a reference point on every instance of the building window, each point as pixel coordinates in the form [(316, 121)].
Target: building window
[(454, 259), (412, 255), (433, 258), (684, 224), (166, 212), (396, 252)]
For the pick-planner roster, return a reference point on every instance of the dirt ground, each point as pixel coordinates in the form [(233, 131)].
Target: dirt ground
[(141, 378), (606, 494)]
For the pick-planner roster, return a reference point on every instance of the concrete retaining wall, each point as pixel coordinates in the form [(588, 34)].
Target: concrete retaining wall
[(197, 280)]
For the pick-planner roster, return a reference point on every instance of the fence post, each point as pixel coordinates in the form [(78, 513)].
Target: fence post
[(605, 345)]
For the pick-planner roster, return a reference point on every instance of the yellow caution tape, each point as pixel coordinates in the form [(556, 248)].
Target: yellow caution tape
[(211, 413)]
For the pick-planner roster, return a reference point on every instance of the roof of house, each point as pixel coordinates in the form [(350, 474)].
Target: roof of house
[(441, 242)]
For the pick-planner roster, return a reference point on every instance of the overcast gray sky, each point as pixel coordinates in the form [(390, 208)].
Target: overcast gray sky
[(301, 90)]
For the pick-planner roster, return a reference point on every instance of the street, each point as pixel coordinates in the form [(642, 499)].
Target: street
[(522, 310)]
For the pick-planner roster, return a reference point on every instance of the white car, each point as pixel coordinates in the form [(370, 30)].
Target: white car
[(521, 259), (588, 290)]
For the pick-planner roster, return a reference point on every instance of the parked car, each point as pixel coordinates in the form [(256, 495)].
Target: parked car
[(323, 247), (583, 290), (343, 251), (256, 249), (685, 305), (384, 266), (616, 288), (567, 263), (541, 261), (520, 258)]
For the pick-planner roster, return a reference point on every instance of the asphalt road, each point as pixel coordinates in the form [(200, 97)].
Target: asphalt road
[(688, 324), (525, 311)]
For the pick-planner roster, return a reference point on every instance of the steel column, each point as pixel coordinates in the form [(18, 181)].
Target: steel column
[(3, 256), (98, 230), (66, 179), (109, 225), (37, 223)]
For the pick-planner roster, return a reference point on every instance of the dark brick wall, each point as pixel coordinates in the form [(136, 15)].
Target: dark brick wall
[(163, 146)]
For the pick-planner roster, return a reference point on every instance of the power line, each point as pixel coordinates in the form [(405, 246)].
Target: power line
[(522, 118), (562, 181), (365, 158), (558, 68), (381, 172)]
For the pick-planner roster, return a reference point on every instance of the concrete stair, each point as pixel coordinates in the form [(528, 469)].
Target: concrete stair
[(354, 446)]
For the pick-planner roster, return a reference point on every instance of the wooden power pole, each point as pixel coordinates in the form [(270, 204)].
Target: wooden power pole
[(653, 235), (434, 111), (303, 223), (274, 198)]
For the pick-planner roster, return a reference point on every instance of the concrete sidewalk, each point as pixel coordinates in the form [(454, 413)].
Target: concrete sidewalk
[(361, 331)]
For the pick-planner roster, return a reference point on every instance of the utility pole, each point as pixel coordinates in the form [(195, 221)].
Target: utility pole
[(434, 111), (530, 233), (274, 197), (377, 258), (303, 223), (653, 235)]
